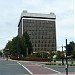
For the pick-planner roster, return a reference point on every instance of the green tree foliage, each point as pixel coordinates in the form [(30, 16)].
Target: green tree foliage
[(58, 55), (8, 48), (27, 43), (22, 45), (1, 53), (15, 46), (18, 46), (43, 55), (73, 53), (71, 49), (51, 54)]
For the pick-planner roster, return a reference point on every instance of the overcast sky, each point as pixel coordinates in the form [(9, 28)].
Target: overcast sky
[(10, 11)]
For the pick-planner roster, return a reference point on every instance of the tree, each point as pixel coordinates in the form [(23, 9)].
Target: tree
[(8, 48), (69, 49), (13, 46), (23, 46), (73, 50), (19, 46), (1, 53), (51, 54), (59, 54), (27, 43), (16, 46)]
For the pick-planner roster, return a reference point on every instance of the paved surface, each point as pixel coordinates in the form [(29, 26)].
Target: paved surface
[(37, 68), (62, 69), (11, 68), (28, 67)]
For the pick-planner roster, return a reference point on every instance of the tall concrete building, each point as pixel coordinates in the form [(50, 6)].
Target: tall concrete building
[(41, 29)]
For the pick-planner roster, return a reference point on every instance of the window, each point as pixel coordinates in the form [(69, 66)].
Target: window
[(45, 45), (42, 37), (38, 41), (38, 45), (52, 44), (35, 41), (35, 37), (38, 37), (35, 49), (41, 41), (35, 45), (49, 41), (48, 45), (41, 45)]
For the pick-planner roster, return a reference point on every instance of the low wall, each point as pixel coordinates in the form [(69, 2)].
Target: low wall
[(30, 59)]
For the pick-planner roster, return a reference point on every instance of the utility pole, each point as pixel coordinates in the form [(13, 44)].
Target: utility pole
[(66, 60), (62, 56), (27, 51)]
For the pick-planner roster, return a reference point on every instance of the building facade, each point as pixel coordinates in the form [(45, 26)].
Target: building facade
[(41, 29)]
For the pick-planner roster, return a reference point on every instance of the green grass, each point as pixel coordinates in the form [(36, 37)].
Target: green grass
[(58, 64)]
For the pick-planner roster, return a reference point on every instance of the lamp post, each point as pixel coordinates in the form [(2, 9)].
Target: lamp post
[(62, 56), (27, 51), (66, 60)]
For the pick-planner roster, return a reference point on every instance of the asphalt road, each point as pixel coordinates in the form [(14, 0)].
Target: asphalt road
[(38, 68), (62, 69), (11, 68), (24, 67)]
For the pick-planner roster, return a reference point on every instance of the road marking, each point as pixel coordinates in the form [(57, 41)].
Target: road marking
[(52, 69), (25, 68)]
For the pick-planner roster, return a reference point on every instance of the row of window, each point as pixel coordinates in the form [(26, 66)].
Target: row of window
[(39, 29), (42, 37), (38, 21), (44, 49), (43, 41), (44, 45), (39, 25), (41, 33)]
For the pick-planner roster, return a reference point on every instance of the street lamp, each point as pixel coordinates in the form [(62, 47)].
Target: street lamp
[(66, 60), (27, 51), (62, 56)]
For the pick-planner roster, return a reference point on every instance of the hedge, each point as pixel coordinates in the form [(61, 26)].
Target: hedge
[(30, 58)]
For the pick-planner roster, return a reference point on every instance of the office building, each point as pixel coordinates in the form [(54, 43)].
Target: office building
[(41, 29)]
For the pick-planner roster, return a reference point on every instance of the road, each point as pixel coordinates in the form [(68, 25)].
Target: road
[(62, 69), (12, 67), (37, 68)]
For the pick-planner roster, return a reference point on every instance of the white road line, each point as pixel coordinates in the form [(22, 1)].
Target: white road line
[(52, 69), (25, 68)]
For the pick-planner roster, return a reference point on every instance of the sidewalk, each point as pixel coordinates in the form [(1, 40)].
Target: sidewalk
[(45, 74), (57, 62)]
